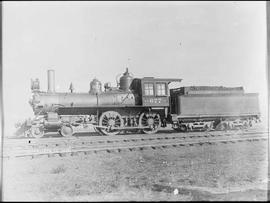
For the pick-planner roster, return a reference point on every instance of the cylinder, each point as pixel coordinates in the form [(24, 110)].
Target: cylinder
[(51, 81)]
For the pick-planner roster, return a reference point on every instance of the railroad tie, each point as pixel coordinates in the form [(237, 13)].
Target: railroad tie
[(224, 142), (35, 156), (62, 154), (74, 153), (87, 152)]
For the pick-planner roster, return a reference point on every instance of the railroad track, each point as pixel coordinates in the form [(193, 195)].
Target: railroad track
[(85, 146), (56, 142)]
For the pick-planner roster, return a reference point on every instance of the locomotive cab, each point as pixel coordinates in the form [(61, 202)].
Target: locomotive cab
[(152, 92)]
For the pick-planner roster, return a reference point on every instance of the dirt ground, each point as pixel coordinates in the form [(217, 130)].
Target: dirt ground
[(212, 172)]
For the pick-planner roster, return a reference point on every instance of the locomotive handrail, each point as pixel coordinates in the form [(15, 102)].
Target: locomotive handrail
[(125, 98)]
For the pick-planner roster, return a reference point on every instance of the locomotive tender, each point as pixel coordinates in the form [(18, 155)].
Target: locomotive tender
[(144, 104)]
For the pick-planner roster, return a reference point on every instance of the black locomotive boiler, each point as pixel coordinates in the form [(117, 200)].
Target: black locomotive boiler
[(139, 104)]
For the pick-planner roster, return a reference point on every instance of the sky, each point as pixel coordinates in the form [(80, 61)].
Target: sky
[(204, 43)]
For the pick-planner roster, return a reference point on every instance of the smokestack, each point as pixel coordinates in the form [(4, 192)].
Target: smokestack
[(51, 85)]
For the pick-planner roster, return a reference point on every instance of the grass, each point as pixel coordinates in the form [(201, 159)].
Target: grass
[(148, 175), (59, 169)]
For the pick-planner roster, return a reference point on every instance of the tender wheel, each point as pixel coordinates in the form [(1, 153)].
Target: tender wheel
[(182, 128), (230, 126), (66, 131), (209, 127), (177, 129), (221, 126), (110, 119), (151, 120), (245, 125), (37, 132)]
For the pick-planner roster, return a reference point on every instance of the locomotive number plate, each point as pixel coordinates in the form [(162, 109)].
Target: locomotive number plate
[(155, 101)]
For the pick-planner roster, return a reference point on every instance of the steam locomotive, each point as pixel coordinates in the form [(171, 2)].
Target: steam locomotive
[(139, 104)]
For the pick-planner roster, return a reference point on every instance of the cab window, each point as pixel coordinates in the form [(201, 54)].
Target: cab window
[(149, 89), (161, 89)]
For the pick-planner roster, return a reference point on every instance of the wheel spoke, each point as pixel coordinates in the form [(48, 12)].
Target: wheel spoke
[(150, 120), (110, 119)]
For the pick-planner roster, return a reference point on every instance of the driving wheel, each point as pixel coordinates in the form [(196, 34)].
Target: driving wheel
[(110, 120), (150, 120)]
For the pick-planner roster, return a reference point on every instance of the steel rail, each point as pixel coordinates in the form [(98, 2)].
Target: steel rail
[(114, 139), (129, 146)]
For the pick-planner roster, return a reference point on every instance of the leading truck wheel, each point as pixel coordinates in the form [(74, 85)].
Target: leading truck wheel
[(110, 120), (37, 132), (150, 120), (180, 128), (66, 131)]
